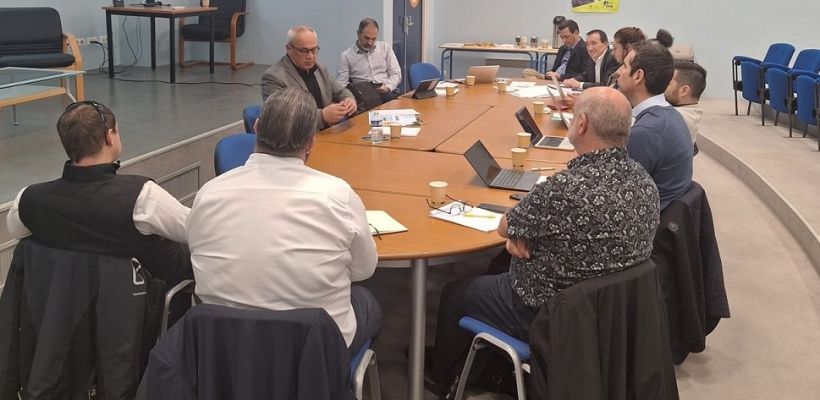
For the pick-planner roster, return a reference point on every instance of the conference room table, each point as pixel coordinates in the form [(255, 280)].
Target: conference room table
[(396, 181), (439, 122)]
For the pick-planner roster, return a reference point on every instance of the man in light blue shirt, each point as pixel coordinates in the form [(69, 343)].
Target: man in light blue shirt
[(371, 61), (659, 139)]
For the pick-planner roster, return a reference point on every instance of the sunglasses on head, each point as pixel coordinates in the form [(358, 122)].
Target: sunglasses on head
[(97, 106)]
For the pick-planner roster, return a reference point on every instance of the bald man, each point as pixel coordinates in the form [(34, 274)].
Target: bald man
[(597, 217)]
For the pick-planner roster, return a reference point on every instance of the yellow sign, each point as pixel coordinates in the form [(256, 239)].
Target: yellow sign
[(595, 6)]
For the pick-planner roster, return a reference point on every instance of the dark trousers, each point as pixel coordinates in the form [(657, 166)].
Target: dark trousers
[(489, 298), (368, 317), (387, 96)]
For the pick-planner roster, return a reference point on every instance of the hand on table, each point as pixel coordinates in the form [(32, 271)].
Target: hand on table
[(334, 113), (571, 82), (349, 104)]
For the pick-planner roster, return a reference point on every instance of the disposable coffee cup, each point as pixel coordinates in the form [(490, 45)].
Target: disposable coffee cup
[(523, 140), (206, 3), (502, 86), (450, 90), (438, 192), (469, 80), (395, 130), (537, 107), (518, 157)]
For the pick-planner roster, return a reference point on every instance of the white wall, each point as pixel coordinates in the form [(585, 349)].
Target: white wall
[(717, 29)]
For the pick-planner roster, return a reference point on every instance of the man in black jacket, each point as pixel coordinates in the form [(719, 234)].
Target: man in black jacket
[(572, 58), (602, 64)]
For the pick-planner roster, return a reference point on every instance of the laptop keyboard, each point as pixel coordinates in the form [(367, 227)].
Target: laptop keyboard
[(508, 178), (551, 141)]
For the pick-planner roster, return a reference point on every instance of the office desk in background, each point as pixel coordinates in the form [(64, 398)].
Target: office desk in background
[(536, 54), (172, 13)]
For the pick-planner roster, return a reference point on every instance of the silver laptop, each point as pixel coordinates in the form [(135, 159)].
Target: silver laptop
[(493, 175), (482, 73), (537, 138)]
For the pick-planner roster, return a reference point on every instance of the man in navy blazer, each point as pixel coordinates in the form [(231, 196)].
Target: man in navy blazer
[(602, 63), (572, 58)]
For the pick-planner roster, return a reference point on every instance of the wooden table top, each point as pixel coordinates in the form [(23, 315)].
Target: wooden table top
[(441, 120), (499, 48), (409, 172), (497, 129), (426, 237)]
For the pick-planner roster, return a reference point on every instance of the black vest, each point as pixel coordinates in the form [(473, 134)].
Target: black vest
[(91, 209)]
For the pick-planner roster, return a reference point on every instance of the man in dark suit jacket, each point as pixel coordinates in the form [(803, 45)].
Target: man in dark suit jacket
[(572, 58), (601, 66), (298, 68)]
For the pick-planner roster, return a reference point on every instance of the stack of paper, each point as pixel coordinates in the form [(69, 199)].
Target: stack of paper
[(383, 222), (532, 92), (406, 117), (476, 218)]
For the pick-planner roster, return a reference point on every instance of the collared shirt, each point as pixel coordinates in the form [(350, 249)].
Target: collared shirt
[(598, 62), (312, 83), (658, 100), (277, 234), (156, 212), (596, 217), (377, 65)]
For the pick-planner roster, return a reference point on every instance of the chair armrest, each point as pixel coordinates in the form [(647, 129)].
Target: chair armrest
[(766, 66), (70, 42), (799, 72), (739, 59), (235, 21)]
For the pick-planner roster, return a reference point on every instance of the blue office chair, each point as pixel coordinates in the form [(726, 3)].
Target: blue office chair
[(517, 350), (420, 71), (232, 151), (778, 53), (780, 81), (249, 116), (806, 89)]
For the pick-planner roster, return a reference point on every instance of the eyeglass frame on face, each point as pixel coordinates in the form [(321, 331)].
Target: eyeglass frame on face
[(305, 52), (462, 206), (97, 106)]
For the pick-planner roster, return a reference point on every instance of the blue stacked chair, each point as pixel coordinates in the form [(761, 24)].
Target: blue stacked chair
[(807, 92), (421, 71), (780, 80), (751, 75), (232, 151), (249, 116)]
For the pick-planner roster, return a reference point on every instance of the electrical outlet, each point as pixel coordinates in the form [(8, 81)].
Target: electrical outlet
[(82, 41), (104, 39), (91, 39)]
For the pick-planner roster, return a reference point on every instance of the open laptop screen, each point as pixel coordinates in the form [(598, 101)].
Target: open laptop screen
[(528, 124), (482, 162)]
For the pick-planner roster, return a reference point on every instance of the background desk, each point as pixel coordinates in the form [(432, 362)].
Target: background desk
[(534, 53), (158, 12)]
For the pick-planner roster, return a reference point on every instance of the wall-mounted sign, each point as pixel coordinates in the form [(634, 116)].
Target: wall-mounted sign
[(595, 6)]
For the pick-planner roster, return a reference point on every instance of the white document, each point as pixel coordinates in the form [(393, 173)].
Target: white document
[(476, 218), (517, 85), (405, 131), (403, 116), (382, 221), (532, 92)]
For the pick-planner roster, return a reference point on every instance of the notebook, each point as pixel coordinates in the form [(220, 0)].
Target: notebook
[(537, 138), (382, 223), (493, 175)]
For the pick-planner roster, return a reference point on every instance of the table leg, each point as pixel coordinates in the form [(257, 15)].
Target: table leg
[(109, 33), (153, 43), (14, 115), (417, 325), (533, 61), (172, 63), (449, 58), (211, 46)]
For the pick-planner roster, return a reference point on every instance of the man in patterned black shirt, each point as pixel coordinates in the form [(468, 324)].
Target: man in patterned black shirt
[(597, 217)]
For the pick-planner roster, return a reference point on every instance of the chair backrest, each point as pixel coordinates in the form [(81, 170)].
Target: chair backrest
[(420, 71), (805, 87), (778, 81), (69, 319), (230, 353), (224, 12), (752, 81), (249, 116), (808, 60), (30, 30), (590, 333), (779, 53), (232, 151)]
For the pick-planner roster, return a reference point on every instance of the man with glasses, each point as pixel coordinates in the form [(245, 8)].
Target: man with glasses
[(598, 72), (296, 241), (370, 61), (92, 209), (595, 218), (298, 68), (572, 58)]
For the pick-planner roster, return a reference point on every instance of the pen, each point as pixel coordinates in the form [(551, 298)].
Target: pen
[(472, 215), (542, 168)]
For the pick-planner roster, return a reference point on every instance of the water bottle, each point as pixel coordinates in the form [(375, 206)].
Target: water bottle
[(376, 135)]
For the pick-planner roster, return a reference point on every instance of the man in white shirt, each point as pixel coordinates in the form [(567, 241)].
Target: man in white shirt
[(92, 209), (371, 61), (684, 92), (276, 234)]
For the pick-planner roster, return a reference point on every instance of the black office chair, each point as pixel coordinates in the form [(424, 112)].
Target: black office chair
[(229, 24), (73, 323)]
